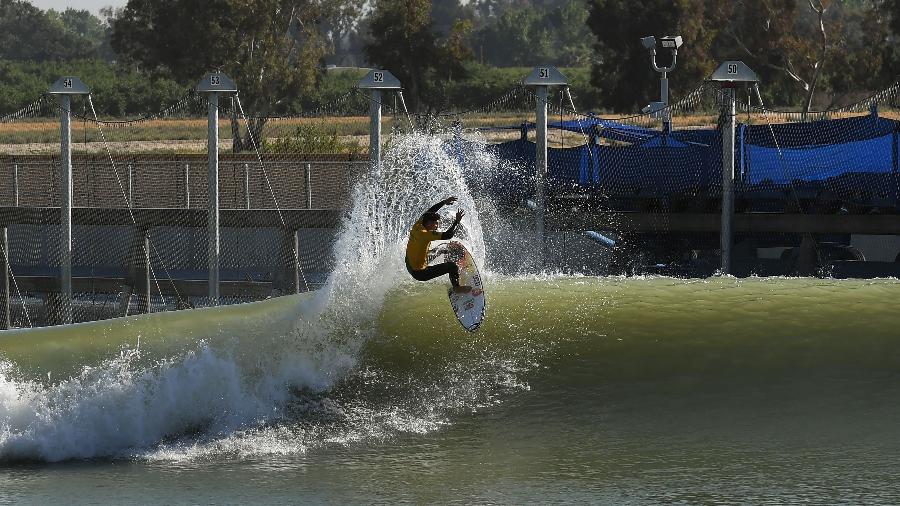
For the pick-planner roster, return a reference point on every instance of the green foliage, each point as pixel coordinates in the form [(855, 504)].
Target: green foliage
[(271, 48), (332, 88), (311, 139), (531, 35), (485, 83), (623, 73), (403, 41), (781, 40), (30, 34), (118, 91)]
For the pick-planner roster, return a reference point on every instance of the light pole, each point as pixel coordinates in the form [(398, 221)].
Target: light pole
[(672, 43)]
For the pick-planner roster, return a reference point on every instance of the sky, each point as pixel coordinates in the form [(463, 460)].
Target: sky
[(92, 5)]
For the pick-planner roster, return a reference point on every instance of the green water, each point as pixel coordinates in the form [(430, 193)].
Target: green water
[(616, 391)]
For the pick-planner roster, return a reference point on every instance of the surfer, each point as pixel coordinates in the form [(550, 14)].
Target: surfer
[(420, 237)]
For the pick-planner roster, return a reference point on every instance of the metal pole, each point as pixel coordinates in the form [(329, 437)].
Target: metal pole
[(147, 269), (727, 178), (65, 222), (130, 186), (16, 185), (5, 322), (309, 186), (895, 166), (247, 185), (213, 215), (295, 246), (540, 168), (187, 186), (375, 128), (664, 98)]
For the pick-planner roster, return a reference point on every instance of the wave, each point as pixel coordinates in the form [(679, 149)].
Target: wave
[(373, 355), (113, 388)]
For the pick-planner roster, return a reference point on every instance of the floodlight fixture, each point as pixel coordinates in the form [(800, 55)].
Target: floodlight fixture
[(671, 42)]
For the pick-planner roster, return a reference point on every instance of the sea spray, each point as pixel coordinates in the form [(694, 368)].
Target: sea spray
[(124, 406)]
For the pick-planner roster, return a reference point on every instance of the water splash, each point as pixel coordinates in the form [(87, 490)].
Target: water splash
[(225, 395)]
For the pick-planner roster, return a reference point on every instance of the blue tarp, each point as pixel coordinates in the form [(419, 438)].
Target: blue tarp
[(607, 129), (833, 154), (816, 163)]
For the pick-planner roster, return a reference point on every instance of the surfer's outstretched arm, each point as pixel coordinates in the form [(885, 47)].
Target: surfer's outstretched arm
[(448, 234), (445, 202)]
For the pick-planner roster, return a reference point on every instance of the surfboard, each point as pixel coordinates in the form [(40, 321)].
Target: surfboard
[(468, 307)]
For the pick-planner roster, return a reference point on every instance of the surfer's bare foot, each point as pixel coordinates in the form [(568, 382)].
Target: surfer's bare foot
[(462, 289)]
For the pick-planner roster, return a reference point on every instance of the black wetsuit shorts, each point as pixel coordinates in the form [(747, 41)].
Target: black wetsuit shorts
[(433, 271)]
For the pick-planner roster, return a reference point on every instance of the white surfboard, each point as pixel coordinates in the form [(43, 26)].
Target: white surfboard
[(469, 307)]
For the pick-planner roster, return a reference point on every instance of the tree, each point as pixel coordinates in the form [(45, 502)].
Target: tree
[(403, 41), (775, 37), (341, 28), (29, 34), (271, 48), (812, 50), (519, 34), (622, 71)]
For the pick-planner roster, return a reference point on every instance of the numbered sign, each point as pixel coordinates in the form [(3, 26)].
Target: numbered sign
[(67, 82), (732, 69), (544, 73), (378, 77), (214, 80)]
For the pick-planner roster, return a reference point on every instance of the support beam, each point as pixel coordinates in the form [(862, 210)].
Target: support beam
[(309, 186), (295, 260), (173, 217), (65, 88), (375, 126), (246, 186), (187, 186), (729, 74), (16, 184), (540, 171), (541, 78), (213, 230), (376, 81), (65, 221), (728, 129), (213, 85), (145, 270), (5, 321)]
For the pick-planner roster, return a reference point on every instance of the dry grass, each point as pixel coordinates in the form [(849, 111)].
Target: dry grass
[(188, 135)]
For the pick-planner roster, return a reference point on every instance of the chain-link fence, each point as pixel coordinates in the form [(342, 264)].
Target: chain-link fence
[(141, 200)]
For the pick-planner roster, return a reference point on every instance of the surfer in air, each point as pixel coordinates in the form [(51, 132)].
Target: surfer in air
[(420, 237)]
